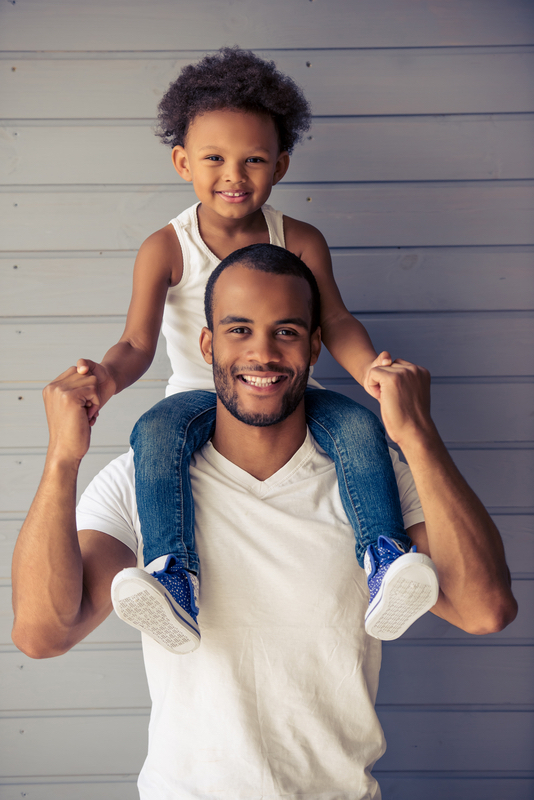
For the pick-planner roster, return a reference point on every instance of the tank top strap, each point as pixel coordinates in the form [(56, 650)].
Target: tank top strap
[(275, 224)]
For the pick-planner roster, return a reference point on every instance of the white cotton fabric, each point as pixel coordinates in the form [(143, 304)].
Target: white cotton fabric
[(278, 701), (183, 316)]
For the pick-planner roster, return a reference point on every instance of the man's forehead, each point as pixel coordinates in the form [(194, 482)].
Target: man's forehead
[(243, 292)]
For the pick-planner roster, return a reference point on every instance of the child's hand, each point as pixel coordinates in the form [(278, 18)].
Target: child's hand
[(371, 382), (105, 385)]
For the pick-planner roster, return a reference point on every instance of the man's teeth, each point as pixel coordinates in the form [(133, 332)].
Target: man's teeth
[(257, 381)]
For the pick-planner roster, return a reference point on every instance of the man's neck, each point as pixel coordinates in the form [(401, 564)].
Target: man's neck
[(259, 451)]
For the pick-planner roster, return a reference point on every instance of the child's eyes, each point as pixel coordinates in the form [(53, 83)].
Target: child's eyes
[(214, 158), (255, 160)]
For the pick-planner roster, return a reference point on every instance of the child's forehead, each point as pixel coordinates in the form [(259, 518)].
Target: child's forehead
[(233, 124)]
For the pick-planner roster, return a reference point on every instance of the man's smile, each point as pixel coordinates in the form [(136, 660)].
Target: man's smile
[(256, 380)]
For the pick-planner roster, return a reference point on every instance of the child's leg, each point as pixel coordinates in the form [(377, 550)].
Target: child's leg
[(402, 585), (163, 441), (354, 439), (163, 600)]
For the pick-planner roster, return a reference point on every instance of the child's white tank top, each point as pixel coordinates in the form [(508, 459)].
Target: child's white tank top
[(183, 316)]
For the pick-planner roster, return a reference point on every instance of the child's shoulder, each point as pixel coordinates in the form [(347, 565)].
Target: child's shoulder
[(161, 251), (306, 241)]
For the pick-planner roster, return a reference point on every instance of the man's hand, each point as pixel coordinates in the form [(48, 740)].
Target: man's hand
[(105, 384), (369, 382), (67, 402), (403, 390)]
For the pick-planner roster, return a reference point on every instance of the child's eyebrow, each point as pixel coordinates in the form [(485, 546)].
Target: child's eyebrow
[(219, 147)]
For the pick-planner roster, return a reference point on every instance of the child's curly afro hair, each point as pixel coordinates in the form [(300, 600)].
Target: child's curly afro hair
[(234, 79)]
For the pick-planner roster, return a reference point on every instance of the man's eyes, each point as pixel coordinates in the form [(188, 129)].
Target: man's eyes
[(280, 332)]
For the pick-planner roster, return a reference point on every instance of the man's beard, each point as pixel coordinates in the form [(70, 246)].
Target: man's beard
[(229, 398)]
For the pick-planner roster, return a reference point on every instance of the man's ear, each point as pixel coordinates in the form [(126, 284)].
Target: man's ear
[(315, 346), (181, 163), (206, 337), (282, 166)]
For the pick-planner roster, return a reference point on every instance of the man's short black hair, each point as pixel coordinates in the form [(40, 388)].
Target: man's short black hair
[(265, 258), (238, 80)]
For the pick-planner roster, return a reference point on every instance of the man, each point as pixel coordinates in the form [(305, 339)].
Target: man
[(279, 700)]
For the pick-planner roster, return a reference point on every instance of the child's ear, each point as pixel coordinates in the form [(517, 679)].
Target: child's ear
[(206, 337), (181, 163), (282, 165)]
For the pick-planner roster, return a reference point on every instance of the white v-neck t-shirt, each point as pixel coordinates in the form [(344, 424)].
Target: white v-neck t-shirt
[(278, 701)]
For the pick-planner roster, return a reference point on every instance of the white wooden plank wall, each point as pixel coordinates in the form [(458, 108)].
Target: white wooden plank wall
[(419, 169)]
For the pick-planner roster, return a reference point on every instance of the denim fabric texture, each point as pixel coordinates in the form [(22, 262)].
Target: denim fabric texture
[(165, 438)]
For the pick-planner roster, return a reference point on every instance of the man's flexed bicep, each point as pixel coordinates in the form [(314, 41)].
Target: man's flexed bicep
[(61, 581)]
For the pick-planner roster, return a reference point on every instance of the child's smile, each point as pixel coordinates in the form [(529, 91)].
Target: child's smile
[(233, 159)]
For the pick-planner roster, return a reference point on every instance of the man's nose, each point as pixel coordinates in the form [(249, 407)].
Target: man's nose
[(264, 349)]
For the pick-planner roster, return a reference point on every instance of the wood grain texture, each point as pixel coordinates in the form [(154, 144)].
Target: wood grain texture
[(419, 740), (429, 740), (463, 786), (463, 344), (336, 82), (464, 413), (57, 788), (380, 279), (349, 215), (517, 531), (117, 25), (91, 678), (335, 149), (502, 478)]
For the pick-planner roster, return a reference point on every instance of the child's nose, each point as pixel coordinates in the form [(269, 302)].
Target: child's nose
[(235, 173)]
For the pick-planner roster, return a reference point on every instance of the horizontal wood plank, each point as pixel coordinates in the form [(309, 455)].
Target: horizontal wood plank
[(418, 740), (81, 679), (464, 413), (466, 786), (58, 788), (336, 82), (406, 279), (87, 678), (349, 215), (421, 740), (455, 675), (484, 344), (114, 25), (373, 149), (517, 531), (111, 744)]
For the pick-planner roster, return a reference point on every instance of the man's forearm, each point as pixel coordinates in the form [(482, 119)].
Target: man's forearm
[(47, 566), (463, 542)]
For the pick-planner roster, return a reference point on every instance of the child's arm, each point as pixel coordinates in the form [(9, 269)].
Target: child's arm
[(157, 267), (344, 336)]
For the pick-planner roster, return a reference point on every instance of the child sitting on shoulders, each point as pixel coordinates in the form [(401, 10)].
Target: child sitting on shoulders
[(232, 121)]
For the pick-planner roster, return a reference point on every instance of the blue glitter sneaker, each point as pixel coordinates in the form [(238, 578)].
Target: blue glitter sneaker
[(163, 604), (402, 587)]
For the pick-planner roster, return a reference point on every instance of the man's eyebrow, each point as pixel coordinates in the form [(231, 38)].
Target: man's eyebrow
[(297, 321), (231, 320)]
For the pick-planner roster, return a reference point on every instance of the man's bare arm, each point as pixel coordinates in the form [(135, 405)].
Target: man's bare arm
[(61, 582), (458, 533)]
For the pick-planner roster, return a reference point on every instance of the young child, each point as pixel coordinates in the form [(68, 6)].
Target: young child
[(232, 121)]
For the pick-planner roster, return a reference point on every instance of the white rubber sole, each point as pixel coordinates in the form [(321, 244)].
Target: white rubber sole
[(141, 601), (409, 589)]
